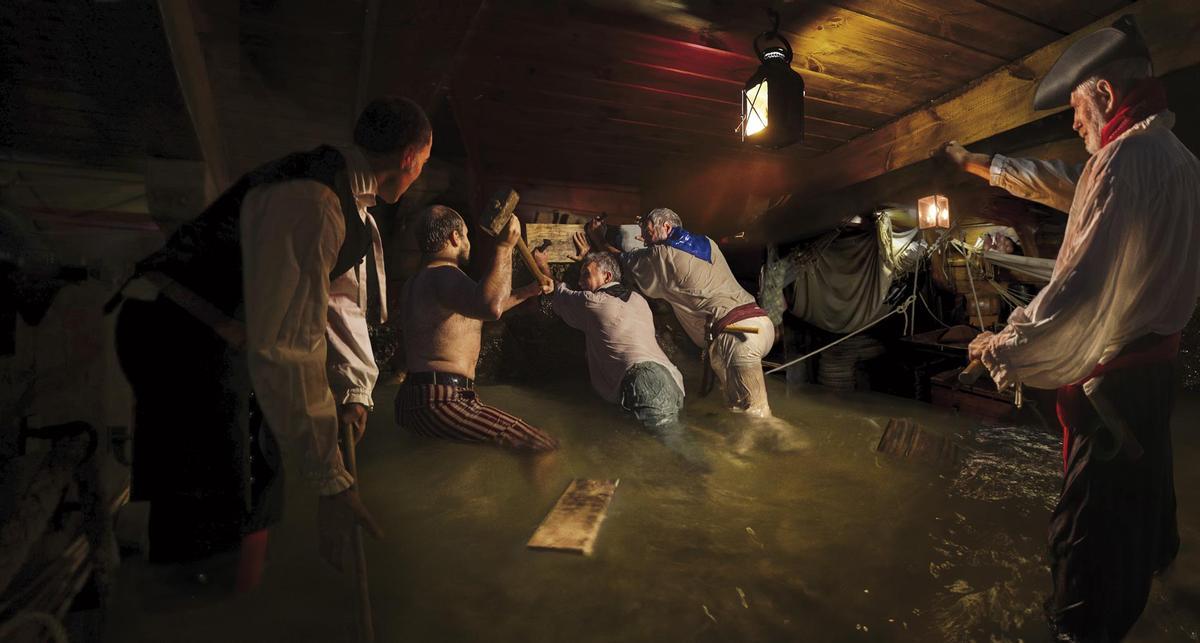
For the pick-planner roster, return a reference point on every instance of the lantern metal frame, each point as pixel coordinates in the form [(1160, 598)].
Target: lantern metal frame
[(933, 212), (783, 122)]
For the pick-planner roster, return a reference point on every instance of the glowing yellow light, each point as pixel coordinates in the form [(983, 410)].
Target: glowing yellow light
[(933, 212), (756, 108)]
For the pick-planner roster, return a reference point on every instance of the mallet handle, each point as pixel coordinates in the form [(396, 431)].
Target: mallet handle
[(740, 329), (364, 624), (529, 262), (972, 372)]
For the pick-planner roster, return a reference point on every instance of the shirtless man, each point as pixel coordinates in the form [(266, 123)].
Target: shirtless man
[(443, 311)]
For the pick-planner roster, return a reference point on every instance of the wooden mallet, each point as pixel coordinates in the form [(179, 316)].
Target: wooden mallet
[(364, 623), (500, 209)]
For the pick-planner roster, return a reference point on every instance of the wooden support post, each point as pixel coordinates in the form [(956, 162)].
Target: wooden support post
[(366, 58), (192, 71)]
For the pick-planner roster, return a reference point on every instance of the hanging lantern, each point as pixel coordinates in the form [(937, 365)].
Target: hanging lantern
[(933, 212), (773, 99)]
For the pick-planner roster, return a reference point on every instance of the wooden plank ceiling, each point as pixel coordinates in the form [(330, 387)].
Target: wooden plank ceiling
[(620, 92), (90, 83)]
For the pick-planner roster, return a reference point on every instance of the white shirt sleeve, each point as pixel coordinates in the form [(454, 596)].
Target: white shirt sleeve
[(1062, 333), (1050, 183), (351, 362), (291, 233), (572, 305)]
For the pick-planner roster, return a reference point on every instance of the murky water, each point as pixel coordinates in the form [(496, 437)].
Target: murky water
[(830, 542)]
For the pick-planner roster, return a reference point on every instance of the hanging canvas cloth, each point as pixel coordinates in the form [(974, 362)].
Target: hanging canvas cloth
[(843, 288)]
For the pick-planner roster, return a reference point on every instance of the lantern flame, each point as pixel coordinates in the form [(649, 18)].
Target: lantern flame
[(756, 108), (933, 212)]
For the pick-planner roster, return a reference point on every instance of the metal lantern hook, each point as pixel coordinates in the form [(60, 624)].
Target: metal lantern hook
[(773, 33)]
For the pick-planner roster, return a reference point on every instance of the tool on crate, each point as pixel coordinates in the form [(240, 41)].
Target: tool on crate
[(500, 209), (976, 369), (710, 334)]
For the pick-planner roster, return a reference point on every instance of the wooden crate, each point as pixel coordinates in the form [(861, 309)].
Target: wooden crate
[(981, 399)]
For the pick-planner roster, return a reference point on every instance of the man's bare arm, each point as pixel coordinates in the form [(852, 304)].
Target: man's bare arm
[(531, 289), (484, 300)]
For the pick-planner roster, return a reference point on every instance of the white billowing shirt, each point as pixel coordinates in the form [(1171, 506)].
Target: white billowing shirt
[(306, 337), (618, 335), (1129, 263)]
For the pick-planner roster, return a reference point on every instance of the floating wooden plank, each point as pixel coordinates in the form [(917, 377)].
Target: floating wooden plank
[(574, 522), (904, 439)]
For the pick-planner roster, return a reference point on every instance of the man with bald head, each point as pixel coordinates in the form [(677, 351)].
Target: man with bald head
[(443, 311)]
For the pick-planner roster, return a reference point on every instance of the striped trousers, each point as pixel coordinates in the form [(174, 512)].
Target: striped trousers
[(453, 413)]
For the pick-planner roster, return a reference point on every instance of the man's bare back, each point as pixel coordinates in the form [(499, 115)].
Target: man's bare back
[(436, 338)]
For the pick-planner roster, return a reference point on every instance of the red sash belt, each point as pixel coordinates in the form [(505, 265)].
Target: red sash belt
[(745, 311), (1073, 403)]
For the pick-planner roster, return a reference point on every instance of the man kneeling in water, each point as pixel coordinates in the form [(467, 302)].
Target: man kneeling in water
[(442, 313), (625, 362)]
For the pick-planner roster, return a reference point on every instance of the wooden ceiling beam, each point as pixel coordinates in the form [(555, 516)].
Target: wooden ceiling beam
[(510, 83), (577, 170), (599, 110), (1065, 16), (194, 83), (366, 58), (968, 23), (901, 188), (852, 49), (718, 135), (619, 55), (996, 103)]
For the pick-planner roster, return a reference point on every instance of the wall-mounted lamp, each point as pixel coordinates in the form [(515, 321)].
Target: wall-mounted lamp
[(933, 212), (773, 99)]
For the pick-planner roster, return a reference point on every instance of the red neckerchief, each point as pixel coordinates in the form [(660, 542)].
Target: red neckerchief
[(1071, 399), (1146, 98)]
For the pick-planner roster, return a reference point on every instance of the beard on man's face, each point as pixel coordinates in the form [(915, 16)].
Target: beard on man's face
[(1090, 116)]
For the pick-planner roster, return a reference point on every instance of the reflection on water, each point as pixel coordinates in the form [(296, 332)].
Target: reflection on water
[(799, 531), (806, 534)]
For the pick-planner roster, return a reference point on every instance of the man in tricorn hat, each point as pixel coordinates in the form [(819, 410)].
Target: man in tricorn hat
[(1105, 331)]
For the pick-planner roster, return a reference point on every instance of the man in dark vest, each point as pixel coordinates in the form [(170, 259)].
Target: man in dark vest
[(265, 291)]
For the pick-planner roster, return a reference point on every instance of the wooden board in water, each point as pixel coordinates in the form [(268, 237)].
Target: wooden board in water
[(562, 248), (903, 438), (574, 522)]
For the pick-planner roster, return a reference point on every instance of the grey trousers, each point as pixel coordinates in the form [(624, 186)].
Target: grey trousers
[(650, 393)]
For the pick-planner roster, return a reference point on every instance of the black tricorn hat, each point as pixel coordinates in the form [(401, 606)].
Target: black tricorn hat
[(1085, 57)]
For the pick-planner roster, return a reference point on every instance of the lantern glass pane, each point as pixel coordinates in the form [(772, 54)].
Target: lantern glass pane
[(756, 108), (933, 212)]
